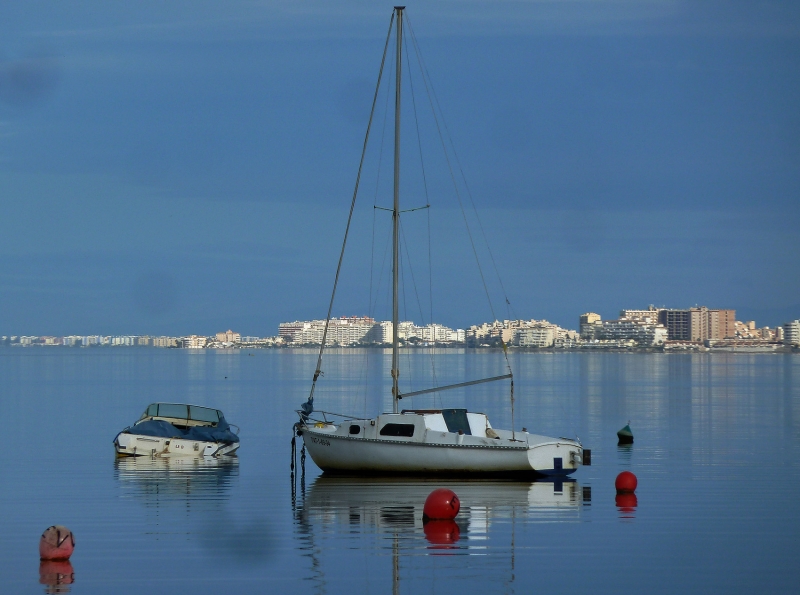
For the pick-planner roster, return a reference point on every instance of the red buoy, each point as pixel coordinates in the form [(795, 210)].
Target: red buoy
[(57, 543), (441, 504), (626, 482), (441, 533)]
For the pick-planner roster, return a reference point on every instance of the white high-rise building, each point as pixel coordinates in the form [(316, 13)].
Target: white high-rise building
[(386, 331), (537, 336), (365, 330), (341, 331), (644, 333), (650, 315), (195, 342), (791, 333)]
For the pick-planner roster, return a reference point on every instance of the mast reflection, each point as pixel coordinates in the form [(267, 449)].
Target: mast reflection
[(386, 513)]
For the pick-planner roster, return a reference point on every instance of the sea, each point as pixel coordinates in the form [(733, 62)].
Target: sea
[(716, 453)]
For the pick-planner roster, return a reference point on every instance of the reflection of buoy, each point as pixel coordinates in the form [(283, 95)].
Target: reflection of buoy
[(57, 543), (441, 504), (625, 435), (56, 572), (444, 532), (626, 483), (627, 501)]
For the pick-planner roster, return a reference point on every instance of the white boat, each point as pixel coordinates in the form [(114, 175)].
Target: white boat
[(450, 441), (178, 430), (440, 441)]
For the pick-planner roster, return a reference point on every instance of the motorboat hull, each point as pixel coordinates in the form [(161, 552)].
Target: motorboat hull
[(130, 444)]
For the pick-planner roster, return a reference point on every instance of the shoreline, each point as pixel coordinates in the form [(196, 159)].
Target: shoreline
[(754, 349)]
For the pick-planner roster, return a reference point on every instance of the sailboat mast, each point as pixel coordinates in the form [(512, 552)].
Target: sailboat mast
[(396, 212)]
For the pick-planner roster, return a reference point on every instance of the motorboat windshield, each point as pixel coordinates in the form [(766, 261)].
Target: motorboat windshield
[(184, 415)]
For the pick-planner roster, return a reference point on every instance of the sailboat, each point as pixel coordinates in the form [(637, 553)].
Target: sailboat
[(430, 441)]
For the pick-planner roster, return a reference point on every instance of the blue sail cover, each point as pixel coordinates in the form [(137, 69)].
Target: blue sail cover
[(163, 429)]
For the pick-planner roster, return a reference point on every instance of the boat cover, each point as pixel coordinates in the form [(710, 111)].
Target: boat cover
[(163, 429)]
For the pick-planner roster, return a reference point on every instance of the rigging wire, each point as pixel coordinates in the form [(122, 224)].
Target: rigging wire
[(458, 164), (428, 88), (407, 358), (428, 204), (434, 103), (432, 100), (318, 370), (404, 245), (371, 306), (382, 269), (374, 304)]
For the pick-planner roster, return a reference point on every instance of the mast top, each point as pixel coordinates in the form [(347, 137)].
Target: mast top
[(399, 7)]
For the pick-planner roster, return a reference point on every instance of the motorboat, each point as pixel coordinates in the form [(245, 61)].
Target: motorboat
[(424, 441), (178, 430)]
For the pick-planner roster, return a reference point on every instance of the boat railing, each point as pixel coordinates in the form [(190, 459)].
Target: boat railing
[(325, 414)]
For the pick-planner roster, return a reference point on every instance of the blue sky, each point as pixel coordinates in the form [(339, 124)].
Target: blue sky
[(186, 167)]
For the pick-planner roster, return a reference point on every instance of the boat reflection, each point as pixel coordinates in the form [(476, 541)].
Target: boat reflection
[(386, 513), (159, 481), (390, 505), (189, 497)]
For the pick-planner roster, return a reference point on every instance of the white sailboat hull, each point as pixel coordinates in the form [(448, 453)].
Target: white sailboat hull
[(431, 451)]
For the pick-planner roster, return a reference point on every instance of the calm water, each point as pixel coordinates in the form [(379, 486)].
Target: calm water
[(716, 454)]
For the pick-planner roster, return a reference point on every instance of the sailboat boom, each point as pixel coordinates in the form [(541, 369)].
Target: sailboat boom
[(449, 386)]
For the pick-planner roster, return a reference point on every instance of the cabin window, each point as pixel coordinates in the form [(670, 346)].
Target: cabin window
[(354, 429), (152, 410), (405, 430)]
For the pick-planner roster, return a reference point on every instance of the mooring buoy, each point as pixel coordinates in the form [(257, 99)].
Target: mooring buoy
[(441, 504), (626, 483), (625, 435), (57, 543)]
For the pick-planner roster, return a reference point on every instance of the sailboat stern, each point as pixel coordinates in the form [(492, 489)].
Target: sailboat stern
[(553, 457)]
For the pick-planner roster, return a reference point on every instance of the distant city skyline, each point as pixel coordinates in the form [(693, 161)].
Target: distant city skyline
[(649, 328)]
